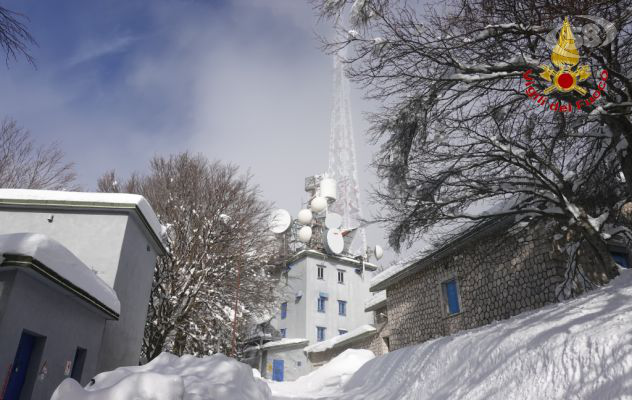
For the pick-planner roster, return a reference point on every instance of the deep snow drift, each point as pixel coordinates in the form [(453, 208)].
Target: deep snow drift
[(169, 377), (580, 349), (326, 380)]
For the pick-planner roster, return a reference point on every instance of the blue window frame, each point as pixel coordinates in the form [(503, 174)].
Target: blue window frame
[(451, 296), (320, 333), (283, 310), (342, 307), (322, 301), (620, 258), (342, 331), (283, 332)]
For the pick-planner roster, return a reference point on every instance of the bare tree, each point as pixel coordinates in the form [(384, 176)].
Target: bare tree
[(460, 129), (217, 236), (14, 37), (27, 166)]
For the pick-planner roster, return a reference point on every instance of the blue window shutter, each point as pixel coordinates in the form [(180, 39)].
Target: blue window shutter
[(453, 297), (283, 310)]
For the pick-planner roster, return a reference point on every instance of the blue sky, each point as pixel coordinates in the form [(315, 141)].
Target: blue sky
[(242, 81)]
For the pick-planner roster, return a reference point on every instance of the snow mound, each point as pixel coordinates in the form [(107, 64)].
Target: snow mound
[(326, 380), (335, 341), (63, 262), (580, 349), (169, 377)]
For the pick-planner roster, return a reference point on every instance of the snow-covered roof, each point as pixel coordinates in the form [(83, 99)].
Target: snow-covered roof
[(87, 200), (344, 259), (336, 341), (284, 342), (376, 301), (467, 232), (58, 264)]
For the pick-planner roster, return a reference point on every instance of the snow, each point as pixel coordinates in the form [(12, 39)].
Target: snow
[(59, 259), (391, 271), (579, 349), (169, 377), (326, 380), (284, 342), (102, 199), (336, 340), (377, 298)]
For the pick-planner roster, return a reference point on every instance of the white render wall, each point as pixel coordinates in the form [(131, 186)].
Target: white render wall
[(119, 248), (303, 317)]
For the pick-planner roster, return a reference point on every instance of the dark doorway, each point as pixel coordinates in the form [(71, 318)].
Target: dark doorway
[(24, 365), (77, 364)]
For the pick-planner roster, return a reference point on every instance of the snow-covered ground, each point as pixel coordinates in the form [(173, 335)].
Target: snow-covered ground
[(326, 380), (169, 377), (580, 349)]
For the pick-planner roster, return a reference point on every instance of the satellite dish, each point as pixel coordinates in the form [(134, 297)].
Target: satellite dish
[(280, 221), (305, 216), (305, 234), (333, 221), (334, 242), (378, 251), (328, 188), (318, 204)]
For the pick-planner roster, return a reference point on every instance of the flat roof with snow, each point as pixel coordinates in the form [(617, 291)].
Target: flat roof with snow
[(377, 301), (53, 261), (284, 343), (358, 333), (87, 200), (353, 262)]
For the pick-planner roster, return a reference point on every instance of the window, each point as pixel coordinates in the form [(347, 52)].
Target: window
[(342, 307), (321, 272), (322, 301), (283, 332), (342, 331), (451, 296), (77, 364), (341, 276), (283, 310), (320, 333), (620, 258)]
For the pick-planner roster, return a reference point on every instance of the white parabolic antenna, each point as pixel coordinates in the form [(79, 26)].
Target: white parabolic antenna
[(305, 234), (334, 242), (379, 252), (333, 220), (318, 204), (304, 216), (280, 220)]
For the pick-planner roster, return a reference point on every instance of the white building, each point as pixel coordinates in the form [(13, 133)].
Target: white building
[(115, 235), (323, 296)]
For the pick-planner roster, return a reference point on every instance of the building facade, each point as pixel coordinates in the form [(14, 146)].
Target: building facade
[(116, 236), (322, 297), (488, 273)]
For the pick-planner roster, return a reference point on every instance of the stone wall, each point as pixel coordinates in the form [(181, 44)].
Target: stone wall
[(498, 275)]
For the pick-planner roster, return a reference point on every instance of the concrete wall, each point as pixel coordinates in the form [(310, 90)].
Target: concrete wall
[(123, 338), (295, 362), (96, 239), (27, 302), (118, 248), (303, 316), (294, 281), (498, 276)]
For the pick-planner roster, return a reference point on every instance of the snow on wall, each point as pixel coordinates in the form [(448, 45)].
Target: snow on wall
[(169, 377), (102, 199), (59, 259), (580, 349)]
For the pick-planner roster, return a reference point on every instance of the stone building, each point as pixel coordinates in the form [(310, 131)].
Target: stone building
[(489, 272)]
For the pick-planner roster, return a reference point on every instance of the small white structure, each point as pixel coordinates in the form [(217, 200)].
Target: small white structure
[(115, 235)]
